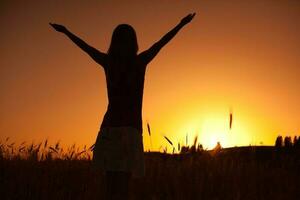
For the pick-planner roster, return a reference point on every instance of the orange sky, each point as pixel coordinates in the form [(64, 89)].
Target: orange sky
[(242, 55)]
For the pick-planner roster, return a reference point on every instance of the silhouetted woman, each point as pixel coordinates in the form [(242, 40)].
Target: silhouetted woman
[(119, 146)]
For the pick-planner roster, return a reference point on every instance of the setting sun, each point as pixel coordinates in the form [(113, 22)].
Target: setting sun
[(209, 121), (212, 128)]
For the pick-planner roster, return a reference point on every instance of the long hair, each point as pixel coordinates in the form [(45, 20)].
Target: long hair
[(122, 53), (123, 44)]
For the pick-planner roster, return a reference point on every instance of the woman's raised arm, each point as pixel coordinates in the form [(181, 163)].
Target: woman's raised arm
[(95, 54), (149, 54)]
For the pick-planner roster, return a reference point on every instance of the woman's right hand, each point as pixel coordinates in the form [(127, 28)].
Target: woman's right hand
[(187, 19), (59, 28)]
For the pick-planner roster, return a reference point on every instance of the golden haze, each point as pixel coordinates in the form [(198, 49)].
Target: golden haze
[(242, 55)]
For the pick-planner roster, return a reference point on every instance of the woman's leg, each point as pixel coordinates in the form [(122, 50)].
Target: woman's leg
[(117, 185)]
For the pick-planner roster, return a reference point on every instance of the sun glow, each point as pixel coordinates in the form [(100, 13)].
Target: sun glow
[(213, 127), (214, 130)]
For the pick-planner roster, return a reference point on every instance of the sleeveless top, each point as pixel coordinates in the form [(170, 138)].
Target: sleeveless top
[(125, 85)]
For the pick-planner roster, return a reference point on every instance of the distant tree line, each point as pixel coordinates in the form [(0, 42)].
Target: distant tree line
[(287, 142)]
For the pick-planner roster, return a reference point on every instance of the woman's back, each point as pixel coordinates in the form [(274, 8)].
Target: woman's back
[(125, 85)]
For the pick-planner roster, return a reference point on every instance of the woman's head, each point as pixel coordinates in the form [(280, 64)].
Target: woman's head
[(123, 42)]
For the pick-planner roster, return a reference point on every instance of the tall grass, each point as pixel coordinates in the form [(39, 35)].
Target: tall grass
[(49, 171), (43, 151)]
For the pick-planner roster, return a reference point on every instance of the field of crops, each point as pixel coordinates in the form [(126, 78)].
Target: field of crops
[(44, 171)]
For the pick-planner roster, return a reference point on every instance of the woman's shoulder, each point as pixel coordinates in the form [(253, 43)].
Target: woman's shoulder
[(137, 61)]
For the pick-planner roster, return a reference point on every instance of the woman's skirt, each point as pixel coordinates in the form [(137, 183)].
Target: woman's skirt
[(119, 149)]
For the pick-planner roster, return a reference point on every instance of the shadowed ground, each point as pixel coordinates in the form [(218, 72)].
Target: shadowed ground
[(233, 173)]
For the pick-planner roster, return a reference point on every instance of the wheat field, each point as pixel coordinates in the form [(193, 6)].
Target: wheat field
[(47, 171)]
